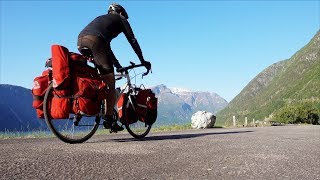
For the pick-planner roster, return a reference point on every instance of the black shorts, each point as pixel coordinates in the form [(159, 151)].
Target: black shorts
[(101, 50)]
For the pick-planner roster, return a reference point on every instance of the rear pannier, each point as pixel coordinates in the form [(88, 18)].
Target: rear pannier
[(89, 90), (77, 87), (76, 58), (60, 67), (41, 84), (60, 104)]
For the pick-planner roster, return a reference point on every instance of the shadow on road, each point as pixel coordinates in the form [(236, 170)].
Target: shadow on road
[(177, 136)]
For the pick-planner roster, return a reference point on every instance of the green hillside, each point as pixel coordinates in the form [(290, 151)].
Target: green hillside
[(296, 80)]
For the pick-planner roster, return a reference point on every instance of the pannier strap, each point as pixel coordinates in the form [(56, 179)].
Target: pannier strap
[(59, 96), (72, 96), (143, 106), (35, 97)]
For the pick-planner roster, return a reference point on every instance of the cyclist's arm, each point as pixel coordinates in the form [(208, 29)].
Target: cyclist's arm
[(132, 40)]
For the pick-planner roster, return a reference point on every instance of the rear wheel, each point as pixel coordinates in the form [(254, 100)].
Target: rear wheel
[(75, 129), (138, 129)]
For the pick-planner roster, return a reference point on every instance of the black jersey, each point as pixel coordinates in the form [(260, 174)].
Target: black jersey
[(109, 26)]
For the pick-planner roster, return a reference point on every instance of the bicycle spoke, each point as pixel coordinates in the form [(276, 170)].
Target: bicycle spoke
[(66, 129), (72, 131)]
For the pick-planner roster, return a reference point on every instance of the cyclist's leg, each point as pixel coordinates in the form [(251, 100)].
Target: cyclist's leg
[(103, 63), (110, 122), (108, 76), (111, 97), (103, 59)]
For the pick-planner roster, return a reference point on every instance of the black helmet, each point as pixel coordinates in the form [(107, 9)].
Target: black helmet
[(118, 9)]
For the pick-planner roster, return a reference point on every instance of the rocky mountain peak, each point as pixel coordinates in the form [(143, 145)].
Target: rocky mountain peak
[(180, 103)]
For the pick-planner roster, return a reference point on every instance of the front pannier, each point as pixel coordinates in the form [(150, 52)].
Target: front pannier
[(127, 114), (147, 104), (120, 105)]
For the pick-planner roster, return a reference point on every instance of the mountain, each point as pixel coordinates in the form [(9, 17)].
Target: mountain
[(16, 112), (293, 80), (176, 105)]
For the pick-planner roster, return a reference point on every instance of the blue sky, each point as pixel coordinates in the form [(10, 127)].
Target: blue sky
[(215, 46)]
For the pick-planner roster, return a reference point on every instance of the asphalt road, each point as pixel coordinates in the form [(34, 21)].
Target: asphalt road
[(286, 152)]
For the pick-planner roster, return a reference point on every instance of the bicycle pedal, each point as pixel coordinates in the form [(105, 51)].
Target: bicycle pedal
[(113, 131)]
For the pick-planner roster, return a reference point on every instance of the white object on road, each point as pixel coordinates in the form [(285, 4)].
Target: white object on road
[(202, 119)]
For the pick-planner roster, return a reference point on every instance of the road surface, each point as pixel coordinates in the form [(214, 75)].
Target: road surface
[(286, 152)]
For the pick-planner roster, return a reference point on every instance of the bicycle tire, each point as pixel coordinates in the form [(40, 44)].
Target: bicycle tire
[(58, 132), (134, 128)]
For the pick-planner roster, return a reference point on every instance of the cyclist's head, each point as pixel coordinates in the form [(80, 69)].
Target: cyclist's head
[(114, 7)]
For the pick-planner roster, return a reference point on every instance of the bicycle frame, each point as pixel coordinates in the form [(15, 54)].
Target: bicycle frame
[(137, 130), (126, 87)]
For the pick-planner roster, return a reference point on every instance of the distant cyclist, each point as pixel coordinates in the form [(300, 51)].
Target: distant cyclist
[(97, 36)]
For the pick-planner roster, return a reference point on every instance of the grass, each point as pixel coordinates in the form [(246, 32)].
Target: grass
[(174, 127), (18, 135)]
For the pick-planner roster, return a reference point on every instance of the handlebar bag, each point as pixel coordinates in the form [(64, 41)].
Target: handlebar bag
[(147, 104), (60, 67), (40, 86)]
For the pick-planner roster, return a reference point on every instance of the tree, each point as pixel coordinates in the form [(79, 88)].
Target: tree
[(301, 112)]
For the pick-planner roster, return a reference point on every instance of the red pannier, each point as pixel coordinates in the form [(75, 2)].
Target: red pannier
[(125, 110), (89, 90), (120, 105), (60, 104), (76, 58), (41, 84), (147, 104), (73, 79), (60, 67)]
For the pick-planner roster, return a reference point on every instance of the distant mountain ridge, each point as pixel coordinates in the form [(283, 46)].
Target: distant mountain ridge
[(293, 80), (16, 112), (176, 105)]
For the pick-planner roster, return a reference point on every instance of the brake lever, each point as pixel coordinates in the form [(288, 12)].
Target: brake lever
[(146, 73)]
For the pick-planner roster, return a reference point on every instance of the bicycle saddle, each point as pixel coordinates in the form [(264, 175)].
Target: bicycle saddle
[(85, 51)]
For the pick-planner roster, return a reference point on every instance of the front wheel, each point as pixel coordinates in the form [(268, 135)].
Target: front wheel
[(134, 126), (75, 129)]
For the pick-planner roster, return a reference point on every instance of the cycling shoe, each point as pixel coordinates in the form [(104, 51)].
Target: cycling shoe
[(113, 126)]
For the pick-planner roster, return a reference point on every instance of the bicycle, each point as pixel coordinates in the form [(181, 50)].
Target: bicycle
[(78, 128)]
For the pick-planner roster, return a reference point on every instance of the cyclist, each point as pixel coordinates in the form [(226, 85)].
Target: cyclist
[(97, 36)]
